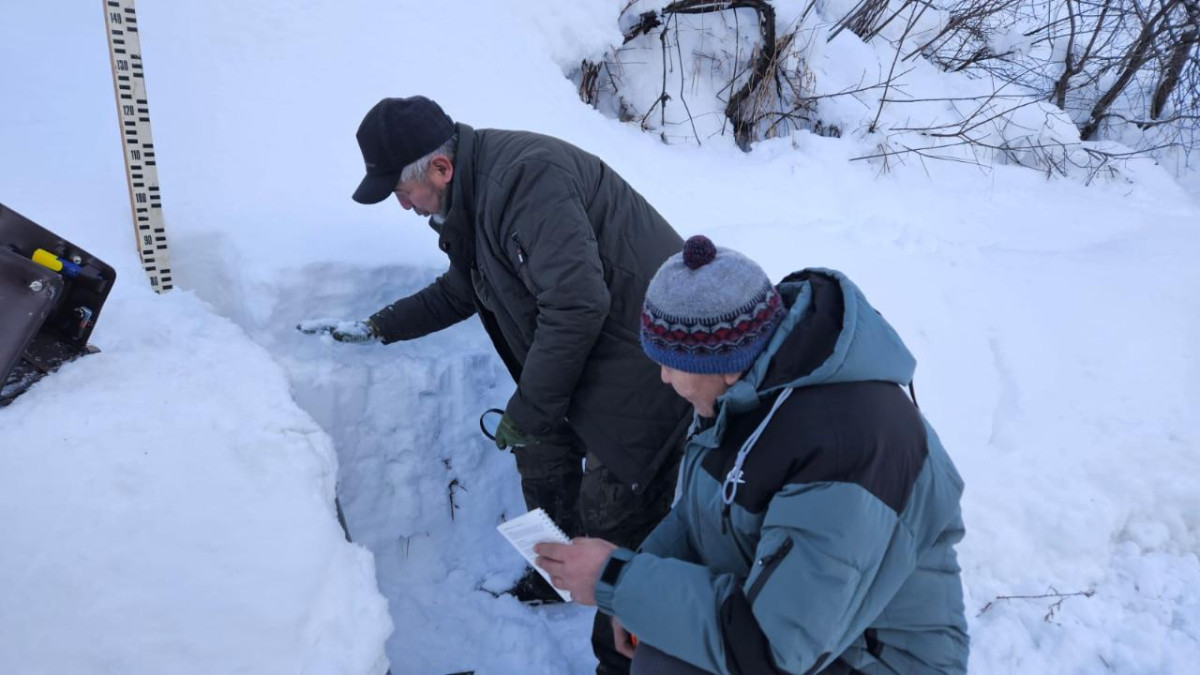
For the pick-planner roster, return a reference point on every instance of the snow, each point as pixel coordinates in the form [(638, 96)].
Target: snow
[(166, 505), (150, 528)]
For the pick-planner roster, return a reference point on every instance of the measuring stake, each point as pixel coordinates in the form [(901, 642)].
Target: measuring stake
[(133, 116)]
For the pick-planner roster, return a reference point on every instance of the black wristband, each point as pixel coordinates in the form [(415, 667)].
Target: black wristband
[(612, 570)]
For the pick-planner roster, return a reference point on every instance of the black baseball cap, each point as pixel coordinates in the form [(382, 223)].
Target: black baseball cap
[(395, 133)]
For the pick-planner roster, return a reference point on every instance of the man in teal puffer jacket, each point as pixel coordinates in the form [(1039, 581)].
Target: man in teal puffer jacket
[(818, 512)]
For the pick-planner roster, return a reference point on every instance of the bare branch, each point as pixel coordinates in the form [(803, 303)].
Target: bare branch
[(1060, 596)]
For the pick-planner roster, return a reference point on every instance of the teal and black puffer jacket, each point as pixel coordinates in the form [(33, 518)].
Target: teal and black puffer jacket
[(818, 513)]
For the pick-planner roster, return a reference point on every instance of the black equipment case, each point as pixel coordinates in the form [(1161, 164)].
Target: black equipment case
[(47, 309)]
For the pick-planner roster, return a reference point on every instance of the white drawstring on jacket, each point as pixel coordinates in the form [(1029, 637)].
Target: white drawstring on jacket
[(734, 478)]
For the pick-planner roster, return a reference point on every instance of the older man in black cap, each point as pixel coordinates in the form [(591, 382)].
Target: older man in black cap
[(553, 250)]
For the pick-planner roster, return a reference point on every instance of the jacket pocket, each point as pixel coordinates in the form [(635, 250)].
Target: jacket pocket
[(768, 565), (482, 291), (520, 257)]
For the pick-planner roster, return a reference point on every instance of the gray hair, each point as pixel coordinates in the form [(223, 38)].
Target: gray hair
[(416, 170)]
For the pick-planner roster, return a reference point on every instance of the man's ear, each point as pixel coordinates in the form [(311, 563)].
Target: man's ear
[(441, 170), (731, 378)]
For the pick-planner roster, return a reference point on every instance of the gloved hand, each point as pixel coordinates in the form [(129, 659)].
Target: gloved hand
[(352, 332), (508, 435)]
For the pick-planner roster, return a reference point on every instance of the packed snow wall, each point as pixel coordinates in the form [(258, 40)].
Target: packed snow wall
[(420, 485)]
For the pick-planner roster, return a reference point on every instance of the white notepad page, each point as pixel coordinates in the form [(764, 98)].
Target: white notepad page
[(533, 528)]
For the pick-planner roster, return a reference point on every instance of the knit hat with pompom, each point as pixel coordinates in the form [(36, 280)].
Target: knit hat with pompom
[(709, 310)]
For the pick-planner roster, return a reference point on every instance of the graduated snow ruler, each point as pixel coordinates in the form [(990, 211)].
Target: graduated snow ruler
[(133, 117)]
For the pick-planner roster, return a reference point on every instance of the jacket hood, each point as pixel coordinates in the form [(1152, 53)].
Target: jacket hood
[(831, 334)]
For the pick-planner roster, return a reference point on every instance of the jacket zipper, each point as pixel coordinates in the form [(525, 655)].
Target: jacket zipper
[(520, 249), (768, 565)]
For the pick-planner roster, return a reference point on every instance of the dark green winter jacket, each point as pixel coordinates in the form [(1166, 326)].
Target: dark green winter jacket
[(836, 550), (554, 251)]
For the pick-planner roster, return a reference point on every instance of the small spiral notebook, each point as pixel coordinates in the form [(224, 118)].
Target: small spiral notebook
[(533, 528)]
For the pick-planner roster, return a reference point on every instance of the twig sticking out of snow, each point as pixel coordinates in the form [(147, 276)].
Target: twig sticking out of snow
[(1054, 607)]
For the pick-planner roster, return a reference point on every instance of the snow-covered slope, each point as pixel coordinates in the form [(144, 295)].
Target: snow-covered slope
[(166, 505)]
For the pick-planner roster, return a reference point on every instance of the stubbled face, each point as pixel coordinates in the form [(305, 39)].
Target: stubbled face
[(427, 195), (420, 196), (699, 390)]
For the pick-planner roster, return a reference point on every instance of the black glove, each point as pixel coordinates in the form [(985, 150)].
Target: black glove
[(351, 332)]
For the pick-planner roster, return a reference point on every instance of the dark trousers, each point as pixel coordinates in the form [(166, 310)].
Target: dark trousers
[(585, 499)]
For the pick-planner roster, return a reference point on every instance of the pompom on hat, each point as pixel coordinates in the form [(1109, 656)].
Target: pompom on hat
[(709, 310)]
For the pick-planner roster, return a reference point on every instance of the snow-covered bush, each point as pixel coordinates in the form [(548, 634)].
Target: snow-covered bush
[(987, 81)]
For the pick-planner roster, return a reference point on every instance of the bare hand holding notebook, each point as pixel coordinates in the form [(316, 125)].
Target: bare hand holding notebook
[(533, 528)]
